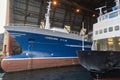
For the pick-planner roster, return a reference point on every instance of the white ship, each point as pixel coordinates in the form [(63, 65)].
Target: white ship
[(106, 43), (106, 32)]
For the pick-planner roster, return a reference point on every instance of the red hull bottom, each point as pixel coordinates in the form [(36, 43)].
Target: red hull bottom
[(29, 64)]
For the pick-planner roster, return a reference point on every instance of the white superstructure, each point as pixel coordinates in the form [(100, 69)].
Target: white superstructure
[(106, 32)]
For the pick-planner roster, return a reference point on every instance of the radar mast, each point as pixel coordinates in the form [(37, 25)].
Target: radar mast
[(47, 16)]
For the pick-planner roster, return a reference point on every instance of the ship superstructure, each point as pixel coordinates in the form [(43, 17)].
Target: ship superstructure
[(105, 55), (106, 32)]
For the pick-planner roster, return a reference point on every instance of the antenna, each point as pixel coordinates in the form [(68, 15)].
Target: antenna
[(100, 9), (47, 15)]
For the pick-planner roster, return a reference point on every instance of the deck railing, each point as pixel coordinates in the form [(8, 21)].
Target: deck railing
[(109, 15)]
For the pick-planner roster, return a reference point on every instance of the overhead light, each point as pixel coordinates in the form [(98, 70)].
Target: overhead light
[(54, 2), (93, 15), (110, 43), (77, 10), (119, 43), (110, 39)]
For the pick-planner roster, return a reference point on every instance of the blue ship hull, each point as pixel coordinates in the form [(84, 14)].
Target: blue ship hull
[(38, 45), (45, 46)]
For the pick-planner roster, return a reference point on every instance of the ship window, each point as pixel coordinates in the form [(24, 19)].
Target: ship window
[(105, 17), (112, 15), (116, 28), (110, 29), (96, 32), (100, 32), (105, 30)]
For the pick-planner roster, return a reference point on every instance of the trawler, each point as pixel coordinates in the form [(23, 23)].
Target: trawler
[(43, 48)]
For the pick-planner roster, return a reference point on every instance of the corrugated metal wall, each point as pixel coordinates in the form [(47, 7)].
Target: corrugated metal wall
[(33, 12)]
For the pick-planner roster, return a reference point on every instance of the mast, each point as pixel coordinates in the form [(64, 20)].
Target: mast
[(47, 16), (83, 37), (100, 9)]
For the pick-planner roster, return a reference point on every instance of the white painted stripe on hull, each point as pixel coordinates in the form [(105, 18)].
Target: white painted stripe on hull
[(43, 31), (41, 58)]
